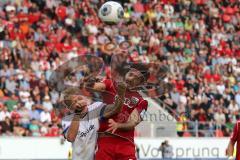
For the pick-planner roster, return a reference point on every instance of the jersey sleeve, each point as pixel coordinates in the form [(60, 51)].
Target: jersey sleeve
[(234, 135), (66, 122), (95, 105), (108, 83), (142, 107), (96, 110)]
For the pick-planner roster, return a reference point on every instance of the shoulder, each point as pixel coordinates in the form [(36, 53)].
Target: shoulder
[(95, 105), (108, 83), (141, 104), (66, 120), (68, 117), (238, 123), (236, 127), (141, 101)]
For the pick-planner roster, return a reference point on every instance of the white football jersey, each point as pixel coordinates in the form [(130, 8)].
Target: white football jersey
[(85, 142)]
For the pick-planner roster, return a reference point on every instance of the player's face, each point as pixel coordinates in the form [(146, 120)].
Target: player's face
[(134, 78), (80, 103)]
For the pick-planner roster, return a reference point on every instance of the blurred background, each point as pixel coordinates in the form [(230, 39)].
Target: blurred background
[(199, 40)]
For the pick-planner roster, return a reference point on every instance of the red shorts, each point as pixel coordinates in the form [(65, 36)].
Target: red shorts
[(114, 148)]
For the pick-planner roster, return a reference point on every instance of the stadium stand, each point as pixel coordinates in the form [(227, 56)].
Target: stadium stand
[(199, 40)]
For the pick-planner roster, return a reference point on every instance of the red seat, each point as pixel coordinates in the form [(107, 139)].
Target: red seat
[(187, 134), (218, 133)]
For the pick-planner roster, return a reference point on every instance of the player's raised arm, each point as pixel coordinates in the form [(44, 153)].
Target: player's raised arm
[(115, 108), (92, 83), (99, 86), (71, 123), (230, 150), (232, 141)]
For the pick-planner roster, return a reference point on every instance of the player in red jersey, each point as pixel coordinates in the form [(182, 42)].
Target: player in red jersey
[(235, 137), (116, 135)]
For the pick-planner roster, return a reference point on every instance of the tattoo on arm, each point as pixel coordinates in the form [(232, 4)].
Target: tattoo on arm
[(115, 108)]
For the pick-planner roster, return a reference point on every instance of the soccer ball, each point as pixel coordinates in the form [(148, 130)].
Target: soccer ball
[(111, 12)]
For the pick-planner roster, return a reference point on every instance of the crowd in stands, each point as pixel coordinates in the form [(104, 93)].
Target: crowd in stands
[(199, 40)]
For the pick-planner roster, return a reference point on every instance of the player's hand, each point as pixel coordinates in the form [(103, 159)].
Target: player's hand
[(113, 126), (80, 105), (231, 158), (121, 88), (88, 81)]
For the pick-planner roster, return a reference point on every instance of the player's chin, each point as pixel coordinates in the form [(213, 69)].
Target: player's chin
[(131, 87)]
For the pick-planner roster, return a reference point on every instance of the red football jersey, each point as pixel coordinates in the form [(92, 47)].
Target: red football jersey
[(235, 137), (132, 100)]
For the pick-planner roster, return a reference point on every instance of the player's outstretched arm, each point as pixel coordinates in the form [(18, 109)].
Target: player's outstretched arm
[(232, 141), (115, 108), (72, 131), (92, 83), (99, 86), (230, 150)]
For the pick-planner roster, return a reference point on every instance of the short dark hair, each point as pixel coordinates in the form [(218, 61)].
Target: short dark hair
[(143, 68)]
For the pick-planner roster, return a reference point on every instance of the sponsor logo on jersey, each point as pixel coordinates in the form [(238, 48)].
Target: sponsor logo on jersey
[(134, 100), (130, 103), (84, 134)]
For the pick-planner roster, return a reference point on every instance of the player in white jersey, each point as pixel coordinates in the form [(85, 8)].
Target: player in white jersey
[(81, 127)]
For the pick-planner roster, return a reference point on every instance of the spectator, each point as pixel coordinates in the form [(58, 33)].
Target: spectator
[(219, 117), (166, 149), (24, 116), (233, 107), (11, 85), (233, 110), (175, 96), (6, 126), (34, 128), (188, 36), (237, 98), (4, 113), (24, 95), (29, 104), (11, 103), (34, 113), (47, 103), (44, 129), (18, 130), (45, 116)]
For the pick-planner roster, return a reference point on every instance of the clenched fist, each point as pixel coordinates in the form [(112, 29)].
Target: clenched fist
[(121, 88)]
